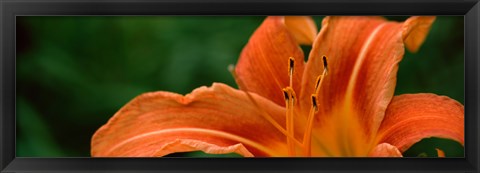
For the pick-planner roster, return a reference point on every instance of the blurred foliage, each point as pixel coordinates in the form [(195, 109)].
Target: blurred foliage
[(74, 73)]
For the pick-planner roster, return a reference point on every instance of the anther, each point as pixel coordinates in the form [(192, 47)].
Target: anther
[(263, 113), (307, 138), (325, 65), (293, 97), (314, 103), (291, 68), (291, 65), (319, 80), (289, 95), (286, 95)]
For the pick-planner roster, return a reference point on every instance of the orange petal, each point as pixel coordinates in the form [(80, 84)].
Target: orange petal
[(363, 55), (440, 153), (415, 31), (412, 117), (303, 28), (215, 120), (186, 145), (385, 150), (263, 63)]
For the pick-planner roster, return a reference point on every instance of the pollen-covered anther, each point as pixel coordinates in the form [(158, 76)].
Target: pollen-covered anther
[(286, 95), (263, 113), (307, 138), (290, 98), (314, 109), (291, 69), (318, 82), (325, 64), (293, 97), (314, 102), (291, 65), (289, 95)]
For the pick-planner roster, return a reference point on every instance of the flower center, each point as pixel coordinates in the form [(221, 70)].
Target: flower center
[(290, 97)]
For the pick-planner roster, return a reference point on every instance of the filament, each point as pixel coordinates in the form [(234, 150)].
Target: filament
[(307, 138), (263, 113), (290, 97), (289, 102)]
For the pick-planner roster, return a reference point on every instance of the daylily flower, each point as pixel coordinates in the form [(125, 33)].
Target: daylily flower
[(343, 105)]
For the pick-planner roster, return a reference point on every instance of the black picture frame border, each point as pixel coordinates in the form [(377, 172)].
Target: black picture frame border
[(9, 9)]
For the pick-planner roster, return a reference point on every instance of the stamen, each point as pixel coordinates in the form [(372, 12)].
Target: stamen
[(285, 94), (291, 68), (319, 81), (325, 65), (293, 97), (289, 95), (291, 64), (307, 136), (317, 84), (314, 102), (289, 102), (264, 114)]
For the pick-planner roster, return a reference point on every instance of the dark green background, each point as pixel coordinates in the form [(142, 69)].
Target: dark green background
[(74, 73)]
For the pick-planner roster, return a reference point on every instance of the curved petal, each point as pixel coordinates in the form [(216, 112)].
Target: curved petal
[(385, 150), (263, 64), (440, 153), (415, 31), (215, 120), (303, 28), (186, 145), (412, 117), (363, 55)]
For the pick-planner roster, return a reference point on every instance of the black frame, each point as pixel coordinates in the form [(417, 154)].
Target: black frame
[(470, 9)]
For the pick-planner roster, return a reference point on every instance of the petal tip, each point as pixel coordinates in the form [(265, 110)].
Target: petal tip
[(415, 31), (303, 28), (385, 150)]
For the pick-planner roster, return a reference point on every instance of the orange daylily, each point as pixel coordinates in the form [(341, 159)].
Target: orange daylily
[(340, 106)]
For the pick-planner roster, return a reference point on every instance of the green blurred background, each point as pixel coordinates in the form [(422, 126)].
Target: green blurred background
[(74, 73)]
